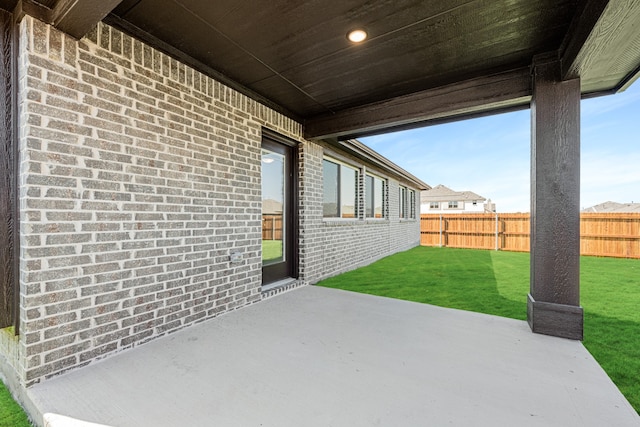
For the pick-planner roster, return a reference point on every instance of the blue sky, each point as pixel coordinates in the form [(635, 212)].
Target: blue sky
[(491, 155)]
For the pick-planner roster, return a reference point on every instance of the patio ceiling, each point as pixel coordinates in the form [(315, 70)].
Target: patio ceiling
[(424, 61)]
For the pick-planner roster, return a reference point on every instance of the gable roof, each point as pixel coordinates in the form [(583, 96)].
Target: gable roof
[(441, 193), (610, 207)]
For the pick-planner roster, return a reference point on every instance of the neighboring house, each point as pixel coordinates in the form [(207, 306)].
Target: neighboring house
[(142, 188), (441, 199), (613, 207)]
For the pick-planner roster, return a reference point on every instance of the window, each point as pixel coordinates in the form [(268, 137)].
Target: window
[(340, 184), (330, 179), (374, 197), (402, 209), (412, 204), (434, 205), (407, 203), (453, 205)]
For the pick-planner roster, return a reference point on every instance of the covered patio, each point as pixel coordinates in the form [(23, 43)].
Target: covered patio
[(311, 356), (322, 357), (422, 63)]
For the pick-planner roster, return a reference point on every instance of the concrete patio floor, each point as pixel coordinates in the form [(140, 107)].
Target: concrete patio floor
[(324, 357)]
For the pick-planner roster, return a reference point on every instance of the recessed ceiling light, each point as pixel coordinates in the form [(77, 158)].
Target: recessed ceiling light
[(357, 36)]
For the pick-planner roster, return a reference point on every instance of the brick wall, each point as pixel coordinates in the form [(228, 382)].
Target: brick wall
[(333, 246), (139, 177)]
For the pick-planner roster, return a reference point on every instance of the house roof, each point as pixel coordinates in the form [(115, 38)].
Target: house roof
[(271, 206), (441, 193), (424, 61), (611, 207), (361, 151)]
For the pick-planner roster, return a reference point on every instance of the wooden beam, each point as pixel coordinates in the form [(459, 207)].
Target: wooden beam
[(460, 100), (8, 175), (78, 17), (579, 31), (553, 306), (602, 46), (8, 5), (74, 17)]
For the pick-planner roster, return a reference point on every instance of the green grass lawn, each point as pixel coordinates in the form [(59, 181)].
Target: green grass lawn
[(271, 250), (498, 282), (11, 414)]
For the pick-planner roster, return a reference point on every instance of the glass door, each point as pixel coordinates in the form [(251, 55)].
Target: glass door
[(278, 225)]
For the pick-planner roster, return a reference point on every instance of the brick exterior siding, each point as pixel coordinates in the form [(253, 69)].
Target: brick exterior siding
[(139, 177), (333, 246)]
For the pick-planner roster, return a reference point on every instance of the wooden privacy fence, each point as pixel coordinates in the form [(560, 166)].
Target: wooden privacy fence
[(272, 227), (601, 234)]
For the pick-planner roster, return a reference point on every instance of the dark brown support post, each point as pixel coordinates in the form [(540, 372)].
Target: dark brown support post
[(554, 299), (8, 177)]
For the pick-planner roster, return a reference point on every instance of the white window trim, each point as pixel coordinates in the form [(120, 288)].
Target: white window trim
[(410, 203), (358, 169), (385, 195)]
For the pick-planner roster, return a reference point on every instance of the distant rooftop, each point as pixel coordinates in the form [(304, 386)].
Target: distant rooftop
[(610, 207), (441, 193)]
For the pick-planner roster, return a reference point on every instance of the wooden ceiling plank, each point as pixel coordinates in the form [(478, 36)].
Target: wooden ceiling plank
[(503, 90), (8, 5), (424, 58), (578, 33), (611, 53), (587, 37), (78, 17)]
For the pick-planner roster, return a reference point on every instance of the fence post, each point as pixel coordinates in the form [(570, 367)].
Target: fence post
[(497, 227), (440, 245)]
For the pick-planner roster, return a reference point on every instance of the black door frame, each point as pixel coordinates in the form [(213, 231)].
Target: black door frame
[(288, 269)]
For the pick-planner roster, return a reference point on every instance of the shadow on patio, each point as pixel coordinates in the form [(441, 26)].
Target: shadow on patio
[(323, 357)]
